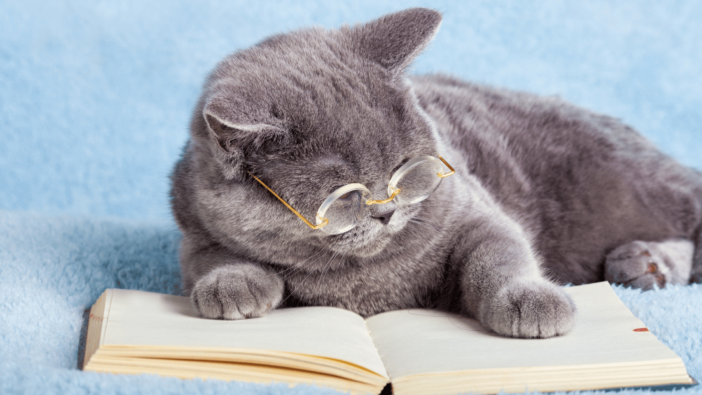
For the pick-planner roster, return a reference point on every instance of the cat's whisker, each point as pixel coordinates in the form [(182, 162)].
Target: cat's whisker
[(295, 268), (291, 270), (344, 255), (282, 303), (424, 221), (327, 267), (312, 272), (299, 264), (469, 206)]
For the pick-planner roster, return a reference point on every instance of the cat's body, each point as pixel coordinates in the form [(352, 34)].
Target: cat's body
[(581, 184), (542, 189)]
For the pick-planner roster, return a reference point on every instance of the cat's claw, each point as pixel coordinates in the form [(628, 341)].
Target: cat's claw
[(530, 310), (236, 292)]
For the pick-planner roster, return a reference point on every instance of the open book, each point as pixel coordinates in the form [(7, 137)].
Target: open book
[(418, 351)]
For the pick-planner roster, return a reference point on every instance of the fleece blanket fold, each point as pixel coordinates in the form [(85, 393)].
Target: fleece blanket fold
[(95, 99)]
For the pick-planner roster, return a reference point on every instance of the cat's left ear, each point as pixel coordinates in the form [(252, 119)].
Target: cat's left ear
[(394, 40)]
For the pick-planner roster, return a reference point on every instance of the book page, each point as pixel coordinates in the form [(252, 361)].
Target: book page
[(424, 341), (151, 319)]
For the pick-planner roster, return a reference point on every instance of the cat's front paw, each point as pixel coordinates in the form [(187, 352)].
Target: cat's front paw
[(530, 310), (236, 292)]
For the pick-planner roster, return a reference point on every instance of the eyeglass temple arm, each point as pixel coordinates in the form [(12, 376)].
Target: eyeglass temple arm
[(444, 175), (324, 223)]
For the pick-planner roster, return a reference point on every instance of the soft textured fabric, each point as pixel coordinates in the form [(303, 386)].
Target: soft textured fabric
[(95, 99)]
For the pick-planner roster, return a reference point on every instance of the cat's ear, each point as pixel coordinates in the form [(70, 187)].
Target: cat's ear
[(232, 139), (394, 40)]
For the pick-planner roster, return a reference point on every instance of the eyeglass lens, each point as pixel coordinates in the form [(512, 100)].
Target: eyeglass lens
[(416, 182), (344, 212)]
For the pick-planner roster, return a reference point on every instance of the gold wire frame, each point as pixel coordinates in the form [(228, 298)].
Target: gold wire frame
[(326, 220), (388, 200), (444, 175), (368, 202)]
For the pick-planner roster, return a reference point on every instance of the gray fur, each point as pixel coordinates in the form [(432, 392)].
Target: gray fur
[(543, 190)]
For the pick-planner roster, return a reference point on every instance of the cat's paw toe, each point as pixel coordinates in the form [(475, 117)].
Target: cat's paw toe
[(638, 265), (237, 292), (531, 310)]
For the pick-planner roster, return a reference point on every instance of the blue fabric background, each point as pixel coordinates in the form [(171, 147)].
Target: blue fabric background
[(95, 98)]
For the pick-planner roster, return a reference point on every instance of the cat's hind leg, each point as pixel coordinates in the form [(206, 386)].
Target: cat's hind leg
[(645, 264)]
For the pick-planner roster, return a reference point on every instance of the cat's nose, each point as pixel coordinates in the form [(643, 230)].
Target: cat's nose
[(383, 214)]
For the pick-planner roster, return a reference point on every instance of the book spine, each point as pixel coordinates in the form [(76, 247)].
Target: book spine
[(97, 323)]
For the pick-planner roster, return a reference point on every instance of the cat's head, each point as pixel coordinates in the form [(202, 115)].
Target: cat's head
[(308, 112)]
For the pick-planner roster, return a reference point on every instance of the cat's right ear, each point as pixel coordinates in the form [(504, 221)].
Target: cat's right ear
[(232, 140), (394, 40)]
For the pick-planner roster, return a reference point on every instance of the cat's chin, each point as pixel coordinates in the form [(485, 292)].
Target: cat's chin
[(361, 242), (370, 238)]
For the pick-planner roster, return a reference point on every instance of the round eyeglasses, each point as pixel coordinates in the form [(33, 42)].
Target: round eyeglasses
[(412, 183)]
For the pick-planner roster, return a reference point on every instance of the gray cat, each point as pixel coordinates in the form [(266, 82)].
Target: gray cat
[(544, 193)]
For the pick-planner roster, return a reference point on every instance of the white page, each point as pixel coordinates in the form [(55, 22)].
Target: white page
[(151, 319), (424, 341)]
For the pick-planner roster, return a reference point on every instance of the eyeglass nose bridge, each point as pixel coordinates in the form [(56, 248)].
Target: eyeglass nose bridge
[(388, 200)]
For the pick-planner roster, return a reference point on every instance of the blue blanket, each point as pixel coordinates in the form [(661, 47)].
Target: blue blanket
[(95, 99)]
